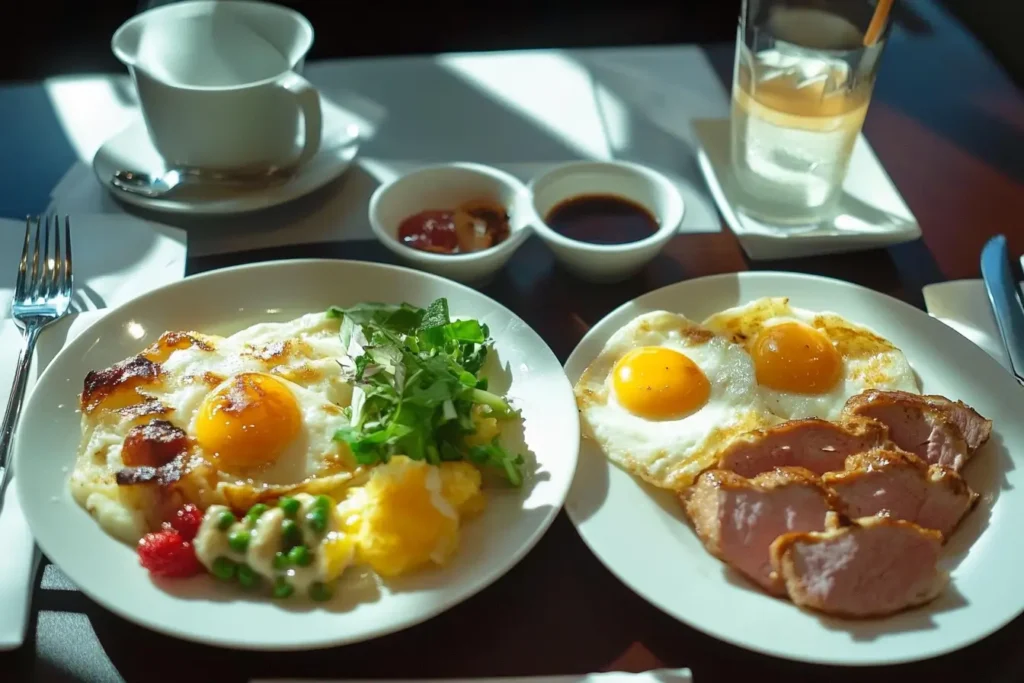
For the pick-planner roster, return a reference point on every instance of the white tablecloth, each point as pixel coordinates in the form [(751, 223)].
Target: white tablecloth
[(519, 111)]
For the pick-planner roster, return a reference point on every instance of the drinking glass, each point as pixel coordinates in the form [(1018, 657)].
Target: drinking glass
[(803, 78)]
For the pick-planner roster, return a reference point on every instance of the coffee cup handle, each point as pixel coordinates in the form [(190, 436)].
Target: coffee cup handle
[(309, 101)]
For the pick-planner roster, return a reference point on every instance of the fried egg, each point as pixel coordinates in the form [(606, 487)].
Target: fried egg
[(211, 420), (665, 395), (262, 428), (809, 363)]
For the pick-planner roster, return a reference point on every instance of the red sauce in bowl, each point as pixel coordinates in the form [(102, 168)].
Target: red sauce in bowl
[(430, 231), (472, 226)]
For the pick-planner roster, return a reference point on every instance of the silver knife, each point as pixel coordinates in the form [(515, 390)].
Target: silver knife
[(1001, 284)]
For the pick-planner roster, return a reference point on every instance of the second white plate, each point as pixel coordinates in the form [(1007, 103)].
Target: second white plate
[(641, 534)]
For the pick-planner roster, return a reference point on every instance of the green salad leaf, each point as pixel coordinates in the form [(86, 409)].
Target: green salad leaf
[(417, 383)]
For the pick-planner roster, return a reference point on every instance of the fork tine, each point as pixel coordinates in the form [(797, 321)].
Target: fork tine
[(19, 287), (33, 283), (68, 285), (54, 262), (42, 283)]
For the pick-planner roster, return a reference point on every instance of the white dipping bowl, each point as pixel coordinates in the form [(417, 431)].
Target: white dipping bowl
[(445, 186), (639, 184)]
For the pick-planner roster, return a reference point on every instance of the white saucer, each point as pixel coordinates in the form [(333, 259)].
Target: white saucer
[(871, 212), (131, 149)]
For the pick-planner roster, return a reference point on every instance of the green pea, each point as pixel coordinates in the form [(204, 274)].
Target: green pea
[(291, 533), (224, 520), (289, 505), (299, 556), (281, 561), (317, 519), (282, 589), (255, 512), (247, 577), (224, 569), (322, 502), (320, 592), (238, 540)]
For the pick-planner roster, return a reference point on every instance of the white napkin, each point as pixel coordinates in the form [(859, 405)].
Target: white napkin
[(116, 258), (19, 558), (964, 306), (654, 676)]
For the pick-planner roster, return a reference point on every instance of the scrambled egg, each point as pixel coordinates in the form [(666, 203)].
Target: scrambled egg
[(407, 515)]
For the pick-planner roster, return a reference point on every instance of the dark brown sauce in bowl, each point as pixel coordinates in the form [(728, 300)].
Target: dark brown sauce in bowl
[(602, 219)]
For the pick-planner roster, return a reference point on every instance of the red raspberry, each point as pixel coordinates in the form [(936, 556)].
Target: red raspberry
[(166, 553), (186, 521)]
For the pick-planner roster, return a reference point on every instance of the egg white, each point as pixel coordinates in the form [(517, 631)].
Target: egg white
[(304, 351), (669, 453), (869, 361)]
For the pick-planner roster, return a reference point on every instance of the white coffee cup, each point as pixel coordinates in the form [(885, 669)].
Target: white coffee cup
[(219, 86)]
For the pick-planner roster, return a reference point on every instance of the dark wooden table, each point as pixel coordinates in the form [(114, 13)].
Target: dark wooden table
[(949, 127)]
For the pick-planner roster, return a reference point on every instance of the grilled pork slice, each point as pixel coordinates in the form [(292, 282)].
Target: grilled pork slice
[(931, 427), (738, 518), (902, 486), (816, 445), (875, 566), (975, 429)]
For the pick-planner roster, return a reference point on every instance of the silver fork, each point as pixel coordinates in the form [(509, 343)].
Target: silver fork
[(42, 295)]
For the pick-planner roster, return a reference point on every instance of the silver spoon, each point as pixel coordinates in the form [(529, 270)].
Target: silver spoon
[(153, 185), (161, 185)]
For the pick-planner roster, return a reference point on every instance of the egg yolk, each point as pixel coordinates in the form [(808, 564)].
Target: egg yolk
[(658, 383), (248, 421), (796, 357)]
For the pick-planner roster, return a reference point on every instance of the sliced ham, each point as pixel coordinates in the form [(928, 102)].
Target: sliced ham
[(975, 429), (816, 445), (875, 566), (738, 518), (902, 486), (927, 426)]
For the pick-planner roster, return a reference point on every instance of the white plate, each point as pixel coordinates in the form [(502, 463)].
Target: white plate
[(641, 535), (226, 300), (131, 149)]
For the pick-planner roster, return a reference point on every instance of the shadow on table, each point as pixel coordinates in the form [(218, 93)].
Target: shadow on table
[(415, 98)]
